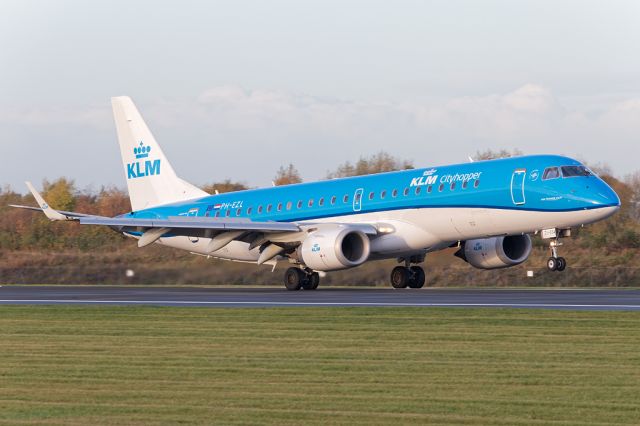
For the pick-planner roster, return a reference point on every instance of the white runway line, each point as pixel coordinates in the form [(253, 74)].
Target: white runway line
[(372, 304)]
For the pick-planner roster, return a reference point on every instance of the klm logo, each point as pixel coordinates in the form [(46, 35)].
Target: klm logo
[(142, 168)]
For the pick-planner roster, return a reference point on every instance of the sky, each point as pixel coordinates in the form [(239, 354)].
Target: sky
[(235, 89)]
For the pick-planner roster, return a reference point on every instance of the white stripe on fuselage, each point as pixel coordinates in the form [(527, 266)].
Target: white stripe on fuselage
[(420, 229)]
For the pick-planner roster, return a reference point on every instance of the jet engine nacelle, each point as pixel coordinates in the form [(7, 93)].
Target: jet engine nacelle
[(496, 252), (334, 248)]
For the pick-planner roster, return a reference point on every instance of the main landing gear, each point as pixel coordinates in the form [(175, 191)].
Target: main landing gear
[(555, 263), (403, 277), (296, 278)]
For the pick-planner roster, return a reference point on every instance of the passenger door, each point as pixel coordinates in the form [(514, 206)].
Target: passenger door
[(357, 200), (517, 186)]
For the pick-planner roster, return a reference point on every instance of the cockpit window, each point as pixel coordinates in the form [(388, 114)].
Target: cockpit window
[(573, 171), (551, 173)]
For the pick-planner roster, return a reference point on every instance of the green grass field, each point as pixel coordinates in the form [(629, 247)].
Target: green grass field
[(147, 365)]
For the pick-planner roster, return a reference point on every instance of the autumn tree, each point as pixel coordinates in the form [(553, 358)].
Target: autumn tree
[(60, 194), (377, 163), (287, 176)]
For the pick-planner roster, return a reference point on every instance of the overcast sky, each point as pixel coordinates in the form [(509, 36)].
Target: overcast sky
[(235, 89)]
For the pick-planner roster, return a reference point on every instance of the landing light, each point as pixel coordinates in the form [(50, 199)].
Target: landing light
[(385, 229)]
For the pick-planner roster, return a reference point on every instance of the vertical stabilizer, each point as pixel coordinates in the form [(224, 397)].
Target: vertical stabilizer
[(151, 180)]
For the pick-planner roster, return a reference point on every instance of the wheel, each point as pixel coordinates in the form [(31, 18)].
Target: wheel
[(562, 263), (552, 264), (417, 277), (311, 281), (293, 279), (399, 277)]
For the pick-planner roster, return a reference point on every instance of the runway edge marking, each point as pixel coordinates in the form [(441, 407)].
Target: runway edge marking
[(193, 302)]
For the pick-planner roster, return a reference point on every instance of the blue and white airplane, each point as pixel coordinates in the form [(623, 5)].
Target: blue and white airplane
[(486, 208)]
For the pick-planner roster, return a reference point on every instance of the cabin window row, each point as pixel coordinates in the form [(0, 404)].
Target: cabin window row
[(345, 199)]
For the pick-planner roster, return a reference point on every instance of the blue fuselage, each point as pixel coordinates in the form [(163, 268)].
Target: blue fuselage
[(514, 183)]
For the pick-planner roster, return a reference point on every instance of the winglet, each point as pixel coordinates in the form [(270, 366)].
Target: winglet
[(48, 211)]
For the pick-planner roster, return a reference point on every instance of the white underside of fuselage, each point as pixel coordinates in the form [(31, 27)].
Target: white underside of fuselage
[(421, 230)]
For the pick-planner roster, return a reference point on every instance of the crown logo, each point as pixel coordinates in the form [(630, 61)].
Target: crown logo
[(141, 151)]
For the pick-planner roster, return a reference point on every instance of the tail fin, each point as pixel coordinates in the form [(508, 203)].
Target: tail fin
[(150, 178)]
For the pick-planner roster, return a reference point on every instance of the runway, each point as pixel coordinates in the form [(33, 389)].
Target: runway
[(576, 299)]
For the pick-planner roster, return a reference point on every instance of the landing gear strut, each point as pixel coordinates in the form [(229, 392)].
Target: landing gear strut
[(296, 278), (555, 263), (406, 276)]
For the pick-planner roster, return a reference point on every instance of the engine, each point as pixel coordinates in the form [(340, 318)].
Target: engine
[(496, 252), (334, 248)]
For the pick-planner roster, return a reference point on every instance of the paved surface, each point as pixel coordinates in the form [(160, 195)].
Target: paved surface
[(618, 299)]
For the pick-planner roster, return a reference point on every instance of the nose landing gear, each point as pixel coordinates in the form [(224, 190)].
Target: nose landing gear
[(556, 263)]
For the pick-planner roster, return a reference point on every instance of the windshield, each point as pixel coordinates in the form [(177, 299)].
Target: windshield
[(573, 171), (551, 173)]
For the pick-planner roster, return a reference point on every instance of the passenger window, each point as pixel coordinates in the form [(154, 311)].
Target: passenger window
[(453, 186), (238, 212), (394, 193), (260, 209), (249, 211), (371, 195), (289, 204), (405, 192), (218, 213), (279, 207), (311, 202), (417, 190), (321, 201), (269, 206), (551, 173), (345, 199), (333, 200), (429, 188), (441, 187), (383, 194), (464, 184), (228, 213), (299, 205), (476, 183)]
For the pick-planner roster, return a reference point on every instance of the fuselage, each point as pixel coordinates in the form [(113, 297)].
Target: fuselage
[(420, 209)]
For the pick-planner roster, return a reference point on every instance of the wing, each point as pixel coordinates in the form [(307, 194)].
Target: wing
[(221, 231)]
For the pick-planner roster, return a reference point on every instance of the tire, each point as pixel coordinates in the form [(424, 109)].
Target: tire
[(293, 279), (311, 281), (562, 263), (552, 264), (418, 277), (399, 277)]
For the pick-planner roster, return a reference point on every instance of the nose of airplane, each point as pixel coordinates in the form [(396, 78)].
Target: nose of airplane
[(605, 195)]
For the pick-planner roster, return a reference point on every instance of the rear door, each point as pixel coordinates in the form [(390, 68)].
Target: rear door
[(517, 186)]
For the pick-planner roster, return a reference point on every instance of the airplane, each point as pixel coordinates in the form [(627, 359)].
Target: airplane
[(488, 209)]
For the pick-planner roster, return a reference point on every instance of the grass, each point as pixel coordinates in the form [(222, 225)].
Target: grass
[(148, 365)]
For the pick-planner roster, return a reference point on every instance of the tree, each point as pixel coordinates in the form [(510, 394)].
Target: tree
[(377, 163), (633, 181), (287, 175), (224, 186), (60, 194), (490, 154)]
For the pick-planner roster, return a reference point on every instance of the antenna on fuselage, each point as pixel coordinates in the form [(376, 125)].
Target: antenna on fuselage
[(470, 159)]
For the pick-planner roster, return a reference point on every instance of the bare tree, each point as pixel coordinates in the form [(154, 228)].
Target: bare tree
[(490, 154), (287, 175), (225, 186), (377, 163)]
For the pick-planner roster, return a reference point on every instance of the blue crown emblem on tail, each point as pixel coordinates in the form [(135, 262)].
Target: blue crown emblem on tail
[(141, 151)]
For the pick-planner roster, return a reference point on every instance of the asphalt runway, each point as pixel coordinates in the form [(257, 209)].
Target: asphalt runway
[(577, 299)]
